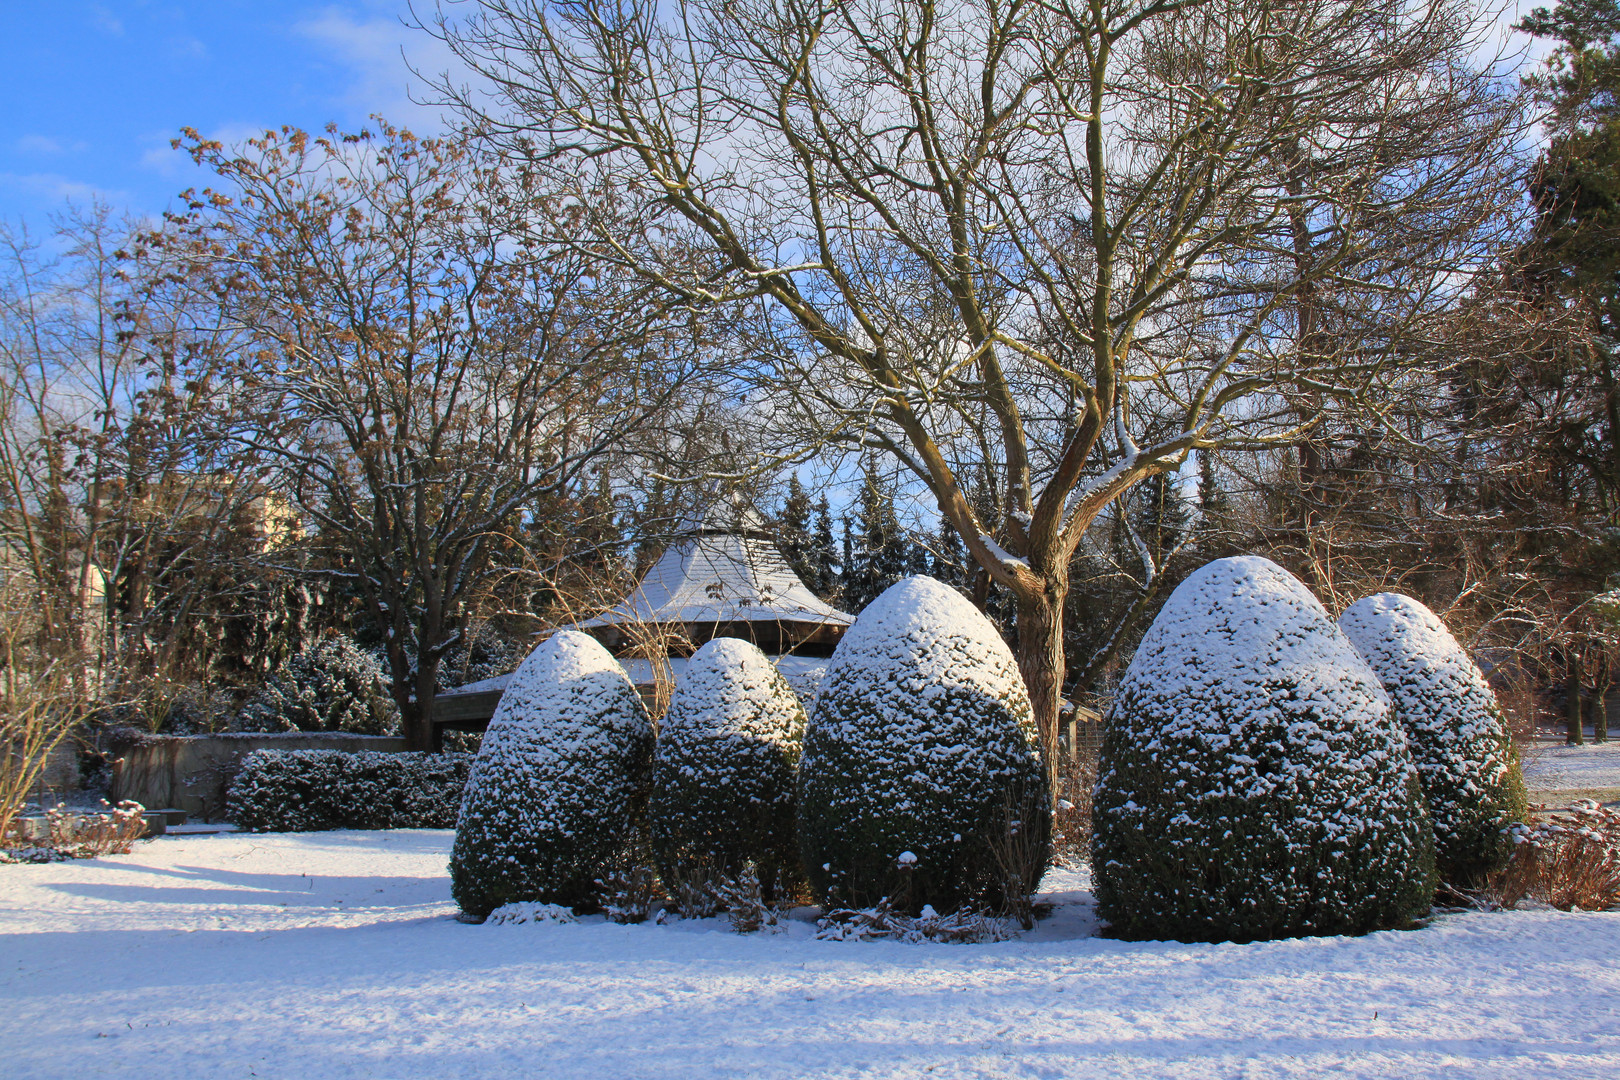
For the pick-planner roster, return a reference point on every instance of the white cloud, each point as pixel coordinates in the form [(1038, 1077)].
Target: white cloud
[(58, 188), (380, 54), (45, 146), (102, 18)]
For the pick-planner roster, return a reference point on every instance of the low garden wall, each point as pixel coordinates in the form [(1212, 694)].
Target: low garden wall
[(192, 772)]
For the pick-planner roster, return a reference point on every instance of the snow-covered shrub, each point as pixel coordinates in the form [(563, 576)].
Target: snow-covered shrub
[(332, 685), (1253, 783), (312, 790), (525, 911), (724, 775), (922, 780), (962, 927), (1454, 727), (560, 783)]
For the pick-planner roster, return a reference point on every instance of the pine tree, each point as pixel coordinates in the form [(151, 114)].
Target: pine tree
[(881, 552), (824, 555), (793, 538)]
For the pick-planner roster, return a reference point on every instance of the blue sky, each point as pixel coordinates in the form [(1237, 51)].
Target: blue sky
[(94, 91)]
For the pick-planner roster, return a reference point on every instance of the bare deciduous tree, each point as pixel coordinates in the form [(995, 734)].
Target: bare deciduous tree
[(420, 374), (1075, 242)]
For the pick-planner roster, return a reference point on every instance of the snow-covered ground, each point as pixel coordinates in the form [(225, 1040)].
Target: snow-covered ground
[(1556, 767), (336, 955)]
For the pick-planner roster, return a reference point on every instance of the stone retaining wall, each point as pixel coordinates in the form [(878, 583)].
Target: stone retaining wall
[(191, 772)]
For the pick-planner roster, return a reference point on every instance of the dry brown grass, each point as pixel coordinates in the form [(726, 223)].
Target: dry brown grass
[(1567, 859)]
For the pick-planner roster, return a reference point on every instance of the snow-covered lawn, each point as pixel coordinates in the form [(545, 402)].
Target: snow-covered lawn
[(1556, 767), (335, 955)]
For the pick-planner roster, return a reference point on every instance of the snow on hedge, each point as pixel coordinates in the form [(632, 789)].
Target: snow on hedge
[(311, 790), (923, 744), (559, 786), (724, 774), (1253, 783), (1454, 726)]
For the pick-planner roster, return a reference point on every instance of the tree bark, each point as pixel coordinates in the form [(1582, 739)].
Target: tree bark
[(1041, 662), (1572, 698)]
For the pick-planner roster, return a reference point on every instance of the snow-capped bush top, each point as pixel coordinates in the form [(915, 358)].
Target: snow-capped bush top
[(1253, 783), (731, 690), (566, 695), (1401, 637), (1233, 626), (1457, 733), (932, 635)]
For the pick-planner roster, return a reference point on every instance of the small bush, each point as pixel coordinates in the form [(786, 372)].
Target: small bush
[(1454, 728), (314, 790), (330, 686), (724, 776), (922, 781), (1568, 860), (1252, 783), (76, 835), (558, 791)]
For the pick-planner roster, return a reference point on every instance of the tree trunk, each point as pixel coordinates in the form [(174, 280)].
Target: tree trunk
[(1041, 661), (1572, 698), (419, 727), (1600, 701)]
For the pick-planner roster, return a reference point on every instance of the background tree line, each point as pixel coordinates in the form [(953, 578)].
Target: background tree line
[(1069, 301)]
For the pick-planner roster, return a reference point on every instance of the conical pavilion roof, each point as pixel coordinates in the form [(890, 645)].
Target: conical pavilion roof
[(721, 574)]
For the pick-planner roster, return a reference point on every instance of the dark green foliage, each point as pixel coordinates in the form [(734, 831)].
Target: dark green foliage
[(1253, 784), (923, 744), (724, 774), (1454, 728), (559, 787), (806, 541), (877, 551), (331, 685), (312, 790)]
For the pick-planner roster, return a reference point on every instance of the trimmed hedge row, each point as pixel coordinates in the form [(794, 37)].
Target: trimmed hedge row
[(312, 790)]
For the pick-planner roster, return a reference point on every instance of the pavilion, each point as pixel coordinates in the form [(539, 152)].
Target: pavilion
[(712, 581)]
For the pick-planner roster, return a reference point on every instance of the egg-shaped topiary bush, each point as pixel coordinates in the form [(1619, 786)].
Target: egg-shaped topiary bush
[(922, 779), (724, 773), (1252, 782), (559, 786), (1454, 727)]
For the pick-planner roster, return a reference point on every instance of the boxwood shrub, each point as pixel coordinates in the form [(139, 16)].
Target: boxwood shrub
[(311, 790), (1454, 727), (922, 780), (1253, 783)]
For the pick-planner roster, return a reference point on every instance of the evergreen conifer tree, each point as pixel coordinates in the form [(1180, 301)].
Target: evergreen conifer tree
[(824, 555)]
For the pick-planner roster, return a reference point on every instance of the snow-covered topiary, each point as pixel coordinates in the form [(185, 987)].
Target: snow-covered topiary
[(559, 786), (1454, 727), (724, 773), (922, 779), (332, 685), (1253, 783)]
